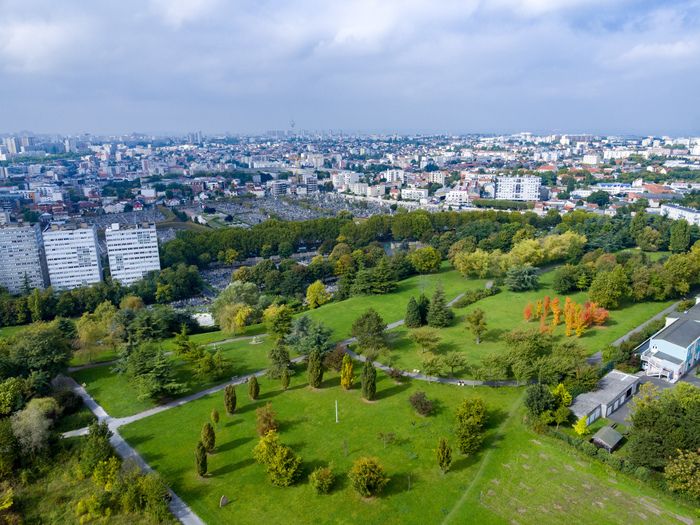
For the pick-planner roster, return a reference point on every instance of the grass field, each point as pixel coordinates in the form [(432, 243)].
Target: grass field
[(504, 313), (119, 398), (392, 307), (518, 477)]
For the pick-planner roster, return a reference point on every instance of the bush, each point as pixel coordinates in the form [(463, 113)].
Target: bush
[(642, 473), (472, 296), (68, 401), (421, 404), (395, 374), (322, 480), (266, 420), (333, 360), (589, 448), (368, 477)]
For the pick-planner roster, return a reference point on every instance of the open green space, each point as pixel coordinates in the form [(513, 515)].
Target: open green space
[(9, 331), (339, 316), (118, 397), (518, 477), (307, 424), (504, 312)]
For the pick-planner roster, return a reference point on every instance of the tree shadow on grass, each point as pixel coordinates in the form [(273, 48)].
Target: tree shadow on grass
[(399, 483), (234, 443), (331, 382), (251, 405), (287, 424), (396, 388), (464, 462), (138, 440), (494, 334), (231, 467)]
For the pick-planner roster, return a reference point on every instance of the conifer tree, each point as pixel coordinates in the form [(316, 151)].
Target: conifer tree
[(315, 368), (208, 437), (369, 381), (439, 314), (230, 399), (200, 459), (347, 374), (413, 317), (423, 306), (444, 455), (253, 388), (285, 379), (215, 416)]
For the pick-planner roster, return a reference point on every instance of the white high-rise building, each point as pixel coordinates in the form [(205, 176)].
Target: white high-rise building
[(518, 188), (72, 256), (132, 251), (21, 263)]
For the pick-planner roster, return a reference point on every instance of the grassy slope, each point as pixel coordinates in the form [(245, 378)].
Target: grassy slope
[(518, 477), (504, 313)]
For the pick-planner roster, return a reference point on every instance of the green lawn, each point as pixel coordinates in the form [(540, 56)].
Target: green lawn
[(392, 307), (9, 331), (119, 398), (504, 313), (518, 477), (307, 424)]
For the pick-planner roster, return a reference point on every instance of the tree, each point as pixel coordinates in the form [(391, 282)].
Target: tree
[(151, 371), (470, 419), (423, 307), (609, 289), (278, 319), (581, 426), (347, 375), (680, 236), (600, 197), (369, 381), (322, 479), (412, 318), (12, 392), (208, 438), (444, 455), (32, 426), (279, 360), (234, 317), (439, 314), (683, 473), (315, 369), (561, 415), (421, 404), (432, 365), (230, 399), (308, 336), (282, 465), (368, 477), (648, 239), (368, 329), (285, 379), (215, 416), (539, 399), (562, 395), (425, 260), (253, 388), (266, 420), (316, 295), (522, 278), (426, 338), (454, 361), (200, 459), (476, 323)]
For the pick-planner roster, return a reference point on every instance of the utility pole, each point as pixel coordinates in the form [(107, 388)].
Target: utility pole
[(336, 410)]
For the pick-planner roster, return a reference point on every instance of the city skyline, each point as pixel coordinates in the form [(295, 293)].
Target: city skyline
[(398, 67)]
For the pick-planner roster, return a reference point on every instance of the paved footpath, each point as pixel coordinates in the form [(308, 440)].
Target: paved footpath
[(661, 315)]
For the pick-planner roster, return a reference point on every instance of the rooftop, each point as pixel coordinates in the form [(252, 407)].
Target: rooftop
[(682, 332), (608, 437), (610, 387)]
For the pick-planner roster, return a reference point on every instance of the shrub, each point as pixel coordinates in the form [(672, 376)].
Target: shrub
[(421, 404), (253, 388), (333, 360), (395, 374), (282, 464), (472, 296), (589, 448), (208, 437), (642, 473), (68, 401), (444, 455), (266, 420), (322, 480), (230, 399), (200, 459), (368, 477)]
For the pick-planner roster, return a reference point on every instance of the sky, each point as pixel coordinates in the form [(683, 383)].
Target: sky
[(390, 66)]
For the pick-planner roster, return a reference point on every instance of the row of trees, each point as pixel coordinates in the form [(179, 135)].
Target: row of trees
[(577, 317)]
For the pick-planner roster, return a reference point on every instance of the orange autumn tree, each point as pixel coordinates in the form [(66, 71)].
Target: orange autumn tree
[(538, 308), (556, 312), (569, 316), (527, 312), (545, 305)]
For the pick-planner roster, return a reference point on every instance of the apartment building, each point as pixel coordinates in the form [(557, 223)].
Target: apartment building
[(72, 255), (21, 258), (414, 194), (132, 251), (518, 188)]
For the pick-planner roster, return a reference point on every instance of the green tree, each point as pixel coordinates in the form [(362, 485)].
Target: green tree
[(683, 473), (368, 477), (680, 236), (230, 399), (522, 278), (214, 416), (538, 399), (444, 455), (425, 260), (369, 381), (279, 360), (208, 437), (368, 329), (253, 388), (426, 338), (470, 420), (561, 415), (316, 295), (423, 307), (315, 369), (285, 379), (413, 317), (347, 375), (266, 420), (562, 395), (610, 288), (581, 426), (278, 319), (200, 459), (454, 361), (476, 323), (322, 479), (439, 314), (282, 464)]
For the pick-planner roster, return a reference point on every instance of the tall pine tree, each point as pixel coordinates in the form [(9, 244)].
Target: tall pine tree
[(423, 306), (369, 381), (413, 317), (315, 368), (200, 459), (439, 314), (230, 399), (253, 388), (347, 374)]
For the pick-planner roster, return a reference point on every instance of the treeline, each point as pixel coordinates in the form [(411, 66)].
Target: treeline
[(170, 284)]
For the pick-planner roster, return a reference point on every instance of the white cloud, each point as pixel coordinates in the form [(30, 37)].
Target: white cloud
[(176, 13), (660, 51), (33, 46)]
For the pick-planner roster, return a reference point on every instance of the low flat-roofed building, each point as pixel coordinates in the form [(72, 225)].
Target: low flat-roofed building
[(614, 389)]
